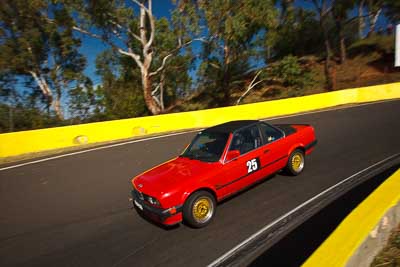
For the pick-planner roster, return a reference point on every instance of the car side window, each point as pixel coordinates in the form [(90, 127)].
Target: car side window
[(246, 140), (270, 133)]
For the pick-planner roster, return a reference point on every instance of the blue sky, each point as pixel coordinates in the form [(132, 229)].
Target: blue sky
[(92, 47), (161, 8)]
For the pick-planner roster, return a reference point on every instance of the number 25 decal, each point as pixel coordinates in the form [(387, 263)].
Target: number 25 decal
[(252, 165)]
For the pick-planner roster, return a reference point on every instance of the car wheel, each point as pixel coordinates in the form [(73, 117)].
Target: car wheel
[(296, 162), (199, 209)]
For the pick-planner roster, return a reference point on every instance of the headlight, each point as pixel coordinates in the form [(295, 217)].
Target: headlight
[(153, 201)]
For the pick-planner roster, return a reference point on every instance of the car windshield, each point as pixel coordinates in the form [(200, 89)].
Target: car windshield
[(207, 146)]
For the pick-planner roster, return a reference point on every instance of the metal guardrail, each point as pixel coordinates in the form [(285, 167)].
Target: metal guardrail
[(255, 245)]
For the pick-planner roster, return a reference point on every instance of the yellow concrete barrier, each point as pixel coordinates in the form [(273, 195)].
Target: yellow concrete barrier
[(347, 245), (18, 143)]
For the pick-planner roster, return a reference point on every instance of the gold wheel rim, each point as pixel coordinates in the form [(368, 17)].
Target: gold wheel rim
[(202, 209), (297, 162)]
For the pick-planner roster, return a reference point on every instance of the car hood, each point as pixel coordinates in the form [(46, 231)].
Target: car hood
[(171, 175)]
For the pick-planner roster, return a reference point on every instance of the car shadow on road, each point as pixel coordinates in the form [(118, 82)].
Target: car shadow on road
[(221, 203), (160, 225), (248, 188)]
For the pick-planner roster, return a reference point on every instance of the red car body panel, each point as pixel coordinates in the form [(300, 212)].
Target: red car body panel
[(173, 181)]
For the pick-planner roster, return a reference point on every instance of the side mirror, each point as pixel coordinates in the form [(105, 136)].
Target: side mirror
[(232, 154)]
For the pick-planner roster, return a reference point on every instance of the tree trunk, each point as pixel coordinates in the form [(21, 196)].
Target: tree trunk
[(361, 23), (328, 51), (373, 20), (323, 13), (57, 108), (343, 53), (342, 43), (328, 73), (148, 98), (252, 84), (10, 119), (226, 78), (45, 88), (147, 52), (162, 82), (41, 82)]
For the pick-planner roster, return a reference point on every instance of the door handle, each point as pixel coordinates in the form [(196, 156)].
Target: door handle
[(266, 151)]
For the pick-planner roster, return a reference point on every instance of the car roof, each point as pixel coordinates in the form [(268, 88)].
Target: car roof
[(231, 126)]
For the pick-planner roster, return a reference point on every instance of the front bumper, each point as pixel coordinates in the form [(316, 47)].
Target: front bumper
[(169, 216)]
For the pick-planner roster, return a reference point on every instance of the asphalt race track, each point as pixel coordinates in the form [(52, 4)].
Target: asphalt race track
[(76, 210)]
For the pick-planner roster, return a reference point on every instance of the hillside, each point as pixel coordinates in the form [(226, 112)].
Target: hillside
[(369, 62)]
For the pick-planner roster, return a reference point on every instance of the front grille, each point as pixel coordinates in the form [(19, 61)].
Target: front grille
[(139, 194)]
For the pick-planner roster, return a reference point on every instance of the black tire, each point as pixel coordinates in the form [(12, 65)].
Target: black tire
[(296, 162), (201, 203)]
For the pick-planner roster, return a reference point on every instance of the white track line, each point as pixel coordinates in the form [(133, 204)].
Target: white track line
[(185, 132), (93, 149), (331, 109), (265, 228)]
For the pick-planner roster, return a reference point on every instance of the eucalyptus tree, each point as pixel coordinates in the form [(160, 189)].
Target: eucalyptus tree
[(392, 10), (8, 101), (361, 20), (119, 95), (81, 102), (340, 11), (233, 27), (323, 9), (374, 11), (33, 47), (298, 33), (130, 28)]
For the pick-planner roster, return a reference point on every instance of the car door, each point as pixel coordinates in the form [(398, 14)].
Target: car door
[(244, 167), (275, 148)]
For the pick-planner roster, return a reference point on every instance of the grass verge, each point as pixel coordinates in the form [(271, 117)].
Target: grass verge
[(390, 255)]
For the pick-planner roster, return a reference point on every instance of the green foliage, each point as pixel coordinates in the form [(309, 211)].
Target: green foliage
[(290, 73), (39, 38), (185, 19), (150, 43), (120, 96), (24, 37), (177, 81), (390, 254), (34, 47), (299, 34), (392, 10), (81, 101), (218, 80), (122, 100), (383, 44), (396, 241), (234, 27), (21, 118)]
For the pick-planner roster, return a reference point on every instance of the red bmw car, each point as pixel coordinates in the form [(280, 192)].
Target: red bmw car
[(220, 161)]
